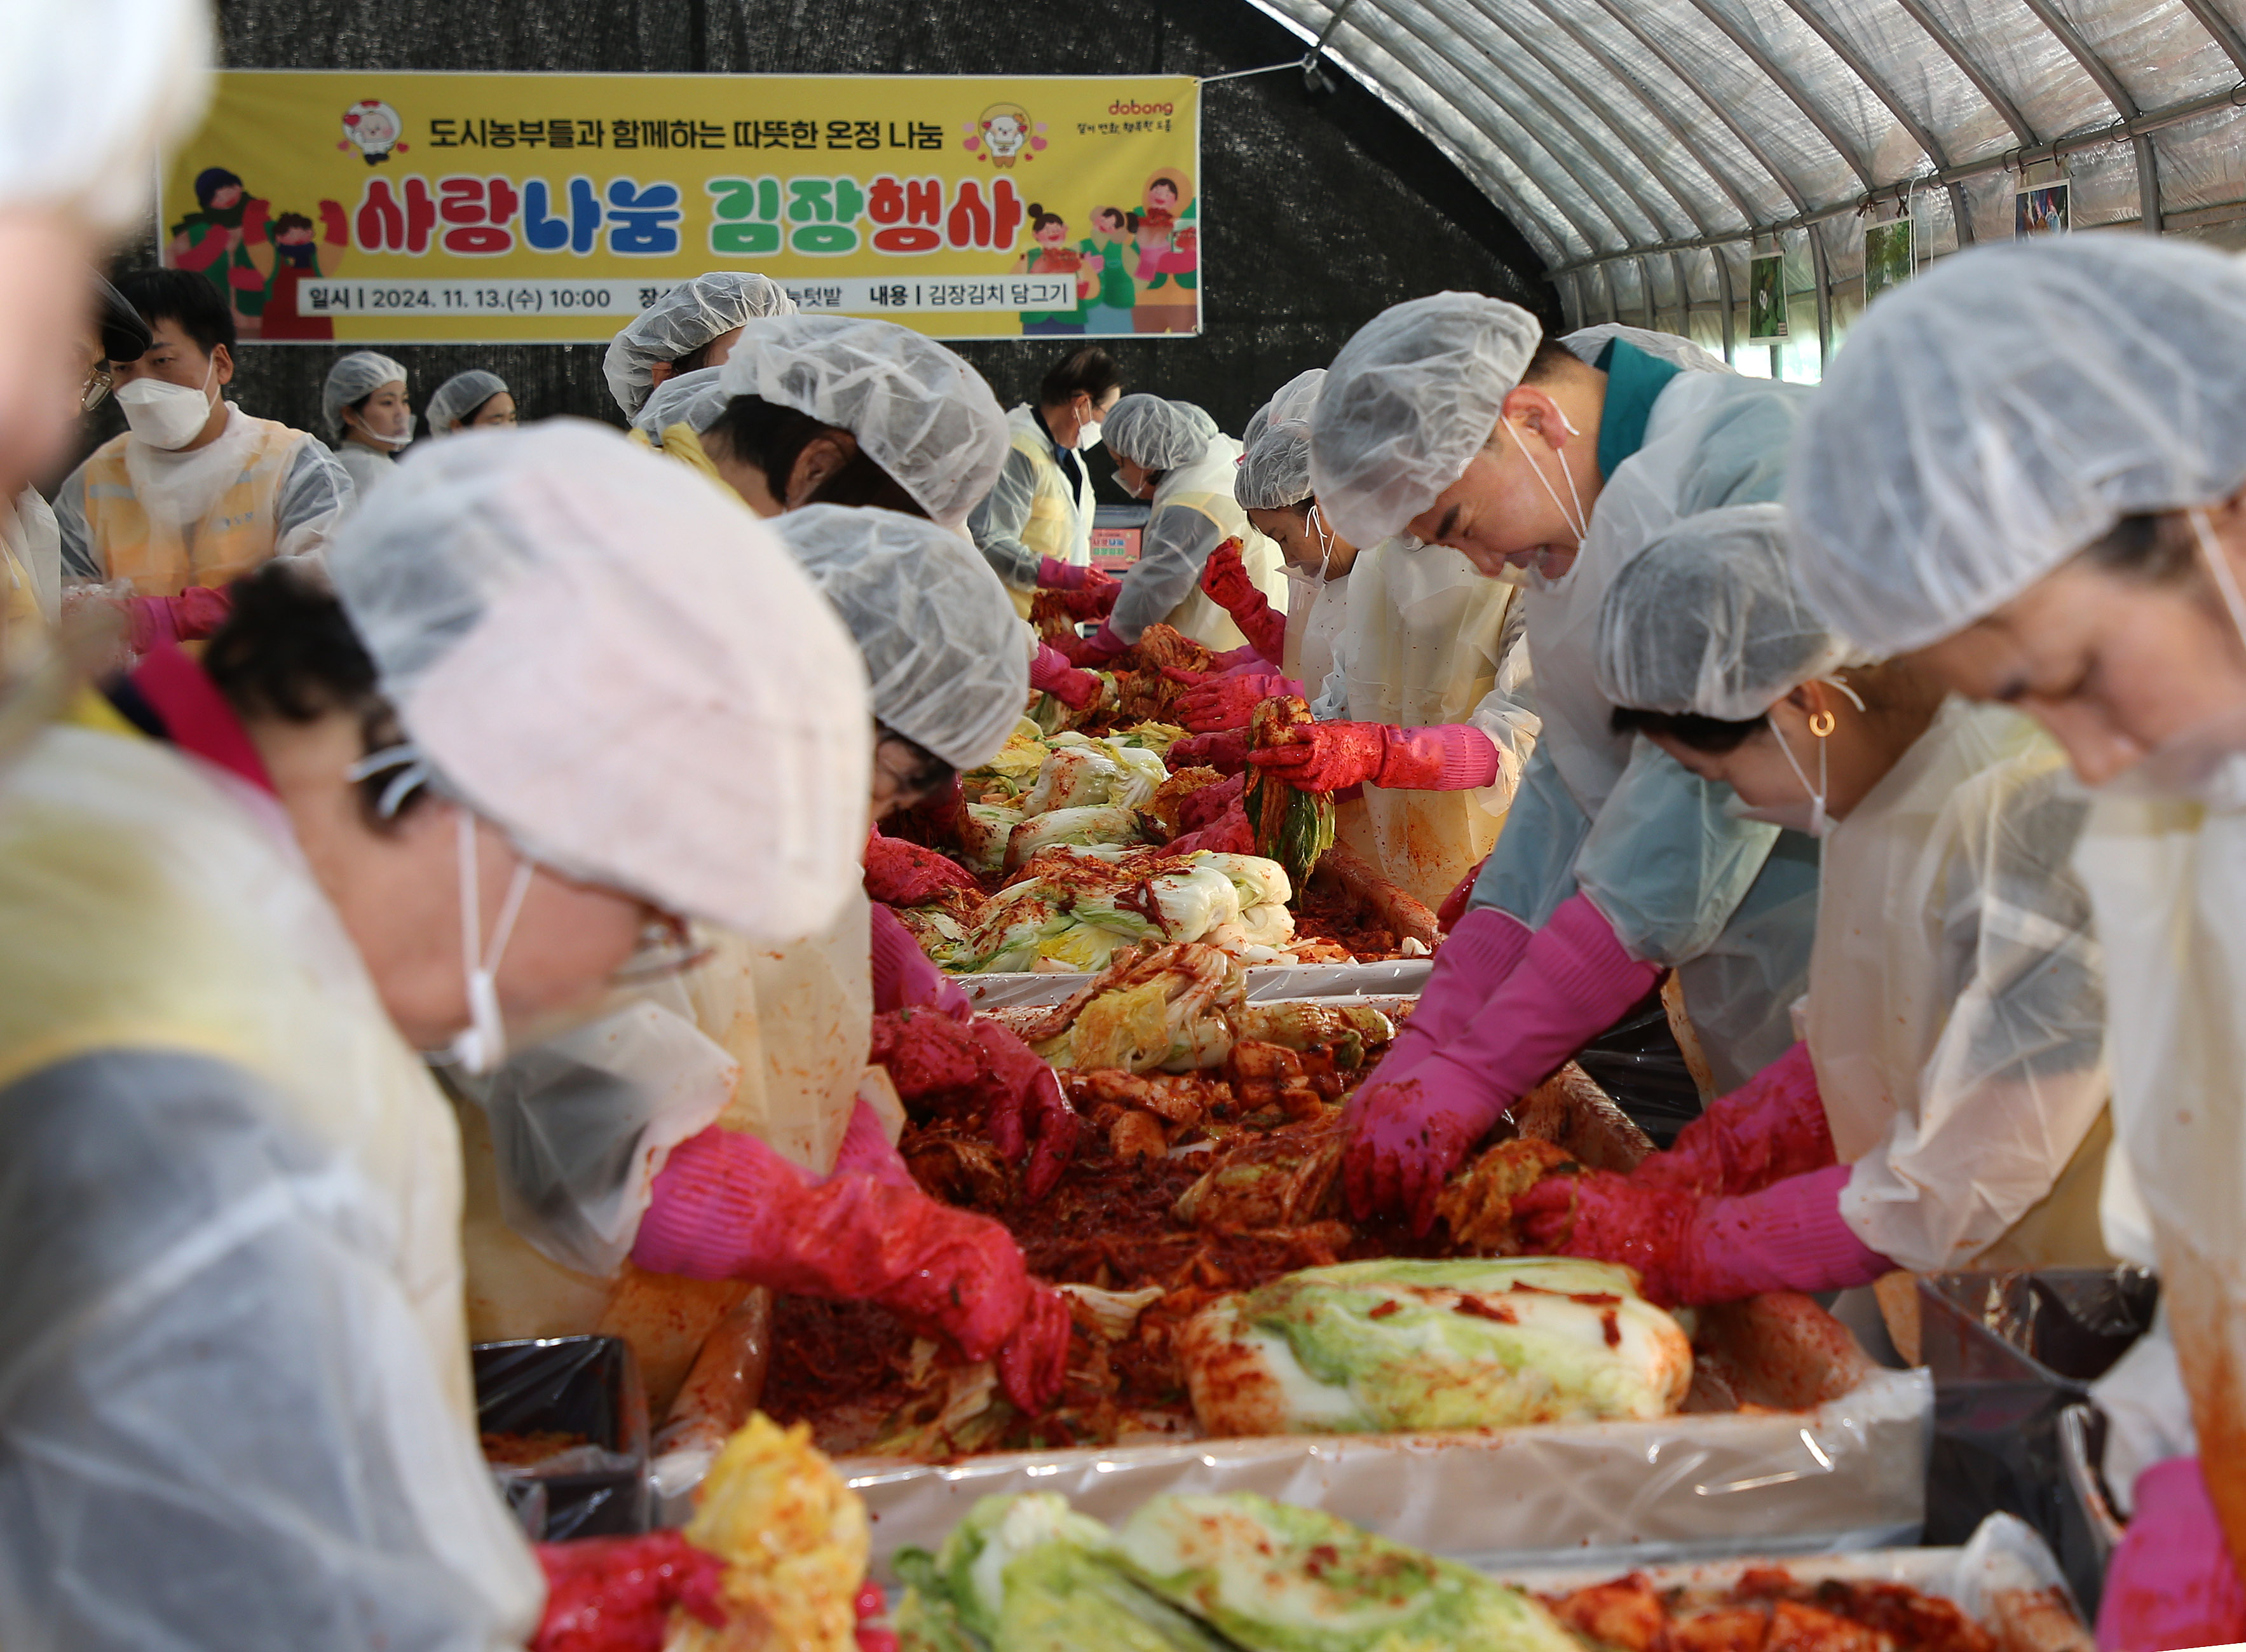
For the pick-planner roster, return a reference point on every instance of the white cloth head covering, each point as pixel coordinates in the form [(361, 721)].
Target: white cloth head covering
[(1156, 433), (920, 411), (1996, 415), (89, 93), (681, 322), (1708, 619), (356, 376), (941, 641), (459, 396), (613, 661), (1408, 403), (694, 400), (1275, 458)]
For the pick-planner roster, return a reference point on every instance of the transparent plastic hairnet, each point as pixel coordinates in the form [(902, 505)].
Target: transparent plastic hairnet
[(944, 646), (1156, 433), (694, 400), (1708, 619), (1407, 404), (924, 414), (608, 657), (89, 93), (681, 322), (1995, 416), (1275, 459), (356, 377), (459, 396)]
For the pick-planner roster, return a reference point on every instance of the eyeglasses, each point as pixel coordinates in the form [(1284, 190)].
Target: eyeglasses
[(95, 390), (667, 950)]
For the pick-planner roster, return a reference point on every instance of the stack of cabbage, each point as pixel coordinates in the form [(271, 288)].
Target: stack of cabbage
[(1076, 920), (1202, 1574), (1040, 792)]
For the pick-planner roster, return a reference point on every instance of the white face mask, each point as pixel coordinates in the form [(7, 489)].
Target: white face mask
[(482, 1045), (366, 432), (1809, 815), (1087, 436), (1316, 581), (165, 415)]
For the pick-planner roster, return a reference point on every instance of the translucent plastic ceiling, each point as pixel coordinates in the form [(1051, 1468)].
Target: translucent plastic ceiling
[(1647, 146)]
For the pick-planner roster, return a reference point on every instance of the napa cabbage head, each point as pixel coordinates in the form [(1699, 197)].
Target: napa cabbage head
[(1192, 903), (1060, 828)]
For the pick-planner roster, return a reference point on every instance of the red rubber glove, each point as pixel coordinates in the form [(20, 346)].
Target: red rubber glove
[(1091, 651), (2172, 1582), (1096, 603), (196, 612), (1211, 803), (1326, 757), (1055, 574), (726, 1207), (1470, 965), (1212, 704), (903, 874), (1572, 981), (931, 1057), (1249, 660), (904, 976), (1771, 1128), (1051, 673), (1331, 757), (1226, 752), (615, 1594), (1690, 1251), (867, 1150), (1224, 580), (1228, 834)]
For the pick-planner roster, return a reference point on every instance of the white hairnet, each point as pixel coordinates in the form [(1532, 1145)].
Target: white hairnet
[(609, 657), (1156, 433), (1998, 414), (1275, 458), (89, 93), (1408, 403), (920, 411), (1708, 619), (681, 322), (354, 378), (943, 643), (694, 400), (459, 396)]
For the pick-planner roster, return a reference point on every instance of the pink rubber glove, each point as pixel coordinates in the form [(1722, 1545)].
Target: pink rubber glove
[(1326, 757), (1051, 673), (1224, 580), (1771, 1128), (1572, 982), (1054, 575), (1451, 757), (867, 1150), (904, 977), (903, 874), (1470, 964), (1226, 752), (1690, 1251), (1229, 834), (1091, 651), (1454, 904), (615, 1593), (1211, 803), (1248, 660), (2172, 1582), (1215, 703), (726, 1207), (196, 613), (936, 1062)]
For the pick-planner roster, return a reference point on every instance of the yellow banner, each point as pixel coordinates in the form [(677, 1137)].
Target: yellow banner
[(424, 208)]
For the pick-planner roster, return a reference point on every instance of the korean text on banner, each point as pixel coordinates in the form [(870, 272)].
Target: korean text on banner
[(419, 208)]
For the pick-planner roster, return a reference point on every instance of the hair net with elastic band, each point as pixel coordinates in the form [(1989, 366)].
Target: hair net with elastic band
[(354, 378), (459, 396), (1408, 403), (1155, 434), (1708, 619), (943, 646), (694, 400), (618, 664), (681, 322), (1274, 460), (89, 93), (919, 410), (1998, 414)]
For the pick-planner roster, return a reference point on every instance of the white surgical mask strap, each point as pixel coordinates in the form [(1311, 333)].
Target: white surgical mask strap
[(1576, 518), (1325, 540), (482, 1046), (1817, 792), (2218, 568), (1841, 683)]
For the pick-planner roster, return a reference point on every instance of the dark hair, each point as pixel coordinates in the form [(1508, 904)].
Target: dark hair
[(1039, 218), (468, 418), (1128, 220), (1168, 184), (1091, 370), (286, 650), (288, 221), (181, 296), (2157, 549), (1552, 359), (1714, 735), (930, 772), (211, 180), (694, 360), (772, 438)]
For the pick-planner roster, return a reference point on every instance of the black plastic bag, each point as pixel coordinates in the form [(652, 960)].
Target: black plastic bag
[(583, 1386)]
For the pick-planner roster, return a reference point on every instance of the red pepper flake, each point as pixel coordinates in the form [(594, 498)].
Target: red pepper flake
[(1597, 1299), (1385, 1310), (1474, 1307), (1612, 1327)]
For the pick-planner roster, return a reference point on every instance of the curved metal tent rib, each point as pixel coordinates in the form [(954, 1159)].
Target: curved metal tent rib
[(1632, 137)]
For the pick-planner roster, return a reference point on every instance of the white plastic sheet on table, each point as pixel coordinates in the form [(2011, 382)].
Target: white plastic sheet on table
[(1850, 1474), (1267, 983)]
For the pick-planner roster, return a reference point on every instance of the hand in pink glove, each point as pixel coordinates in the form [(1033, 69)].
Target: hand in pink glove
[(1690, 1251), (903, 874), (1573, 980), (196, 613), (1771, 1128), (1471, 964), (867, 1150), (1051, 673), (1228, 834), (1215, 703), (1055, 574), (2172, 1582), (1448, 757), (1325, 757), (1226, 752), (1224, 579), (1245, 661), (1091, 651), (615, 1593), (1028, 1104), (1211, 803), (1034, 1361), (904, 978)]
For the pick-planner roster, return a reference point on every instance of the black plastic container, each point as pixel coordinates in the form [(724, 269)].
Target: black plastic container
[(587, 1385)]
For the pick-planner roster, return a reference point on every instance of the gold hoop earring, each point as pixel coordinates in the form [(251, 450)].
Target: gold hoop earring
[(1821, 723)]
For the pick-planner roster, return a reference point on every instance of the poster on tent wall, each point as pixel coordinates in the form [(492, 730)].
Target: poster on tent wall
[(2040, 211), (1888, 249), (394, 208), (1767, 316)]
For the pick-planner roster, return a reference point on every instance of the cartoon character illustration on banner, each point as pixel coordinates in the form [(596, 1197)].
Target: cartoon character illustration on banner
[(1107, 311), (1167, 243), (223, 240), (1003, 134), (1054, 256), (373, 128), (302, 255)]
